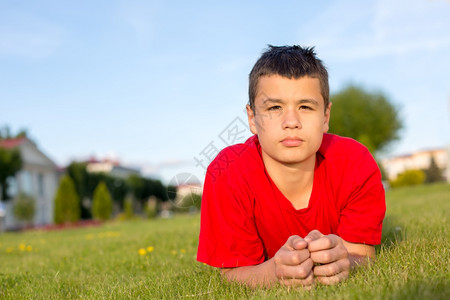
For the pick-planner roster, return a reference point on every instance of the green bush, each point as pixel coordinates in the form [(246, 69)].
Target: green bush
[(128, 211), (102, 203), (24, 207), (151, 208), (409, 178), (67, 202)]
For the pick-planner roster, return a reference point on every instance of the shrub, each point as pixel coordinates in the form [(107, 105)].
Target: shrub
[(24, 207), (102, 202), (408, 178), (128, 211), (433, 173), (151, 208), (67, 202)]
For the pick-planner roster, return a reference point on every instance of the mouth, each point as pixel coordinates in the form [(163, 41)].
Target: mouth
[(292, 141)]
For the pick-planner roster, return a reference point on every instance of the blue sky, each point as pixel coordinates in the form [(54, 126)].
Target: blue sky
[(157, 83)]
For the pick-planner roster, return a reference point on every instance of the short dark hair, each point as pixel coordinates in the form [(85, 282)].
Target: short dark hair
[(290, 62)]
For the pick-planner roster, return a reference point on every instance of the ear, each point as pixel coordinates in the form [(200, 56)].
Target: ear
[(251, 119), (326, 121)]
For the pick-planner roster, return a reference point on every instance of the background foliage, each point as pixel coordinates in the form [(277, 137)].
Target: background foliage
[(24, 207), (67, 202), (368, 117), (102, 203)]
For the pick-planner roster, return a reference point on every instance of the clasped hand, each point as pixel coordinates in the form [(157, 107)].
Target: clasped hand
[(317, 257)]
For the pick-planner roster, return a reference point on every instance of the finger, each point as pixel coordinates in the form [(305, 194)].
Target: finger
[(325, 242), (330, 280), (291, 257), (332, 269), (301, 271), (292, 282), (313, 235), (329, 255), (295, 242)]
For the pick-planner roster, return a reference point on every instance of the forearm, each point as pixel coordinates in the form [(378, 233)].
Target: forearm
[(357, 260), (359, 254), (262, 275)]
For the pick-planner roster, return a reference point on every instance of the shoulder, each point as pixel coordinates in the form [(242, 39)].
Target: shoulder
[(334, 146), (346, 155), (237, 159)]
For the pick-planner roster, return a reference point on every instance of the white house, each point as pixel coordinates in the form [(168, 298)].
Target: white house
[(111, 167), (418, 160), (37, 178)]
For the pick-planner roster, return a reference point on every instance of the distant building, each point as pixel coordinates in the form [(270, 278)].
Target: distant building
[(189, 188), (110, 167), (418, 160), (37, 178)]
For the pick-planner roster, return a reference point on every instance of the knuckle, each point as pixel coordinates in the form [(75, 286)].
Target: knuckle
[(331, 269), (277, 259), (328, 241), (302, 273), (326, 256), (279, 272)]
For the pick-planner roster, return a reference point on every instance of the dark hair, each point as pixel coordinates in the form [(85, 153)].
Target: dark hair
[(290, 62)]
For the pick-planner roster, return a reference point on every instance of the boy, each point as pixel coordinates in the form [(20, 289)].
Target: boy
[(292, 205)]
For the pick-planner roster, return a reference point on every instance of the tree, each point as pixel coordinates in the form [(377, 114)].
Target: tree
[(67, 202), (433, 173), (77, 171), (10, 164), (102, 203), (10, 160), (367, 117), (24, 207)]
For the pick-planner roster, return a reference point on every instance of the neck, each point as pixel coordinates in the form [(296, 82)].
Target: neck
[(295, 181)]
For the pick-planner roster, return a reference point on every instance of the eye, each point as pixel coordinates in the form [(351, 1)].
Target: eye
[(305, 107), (275, 107)]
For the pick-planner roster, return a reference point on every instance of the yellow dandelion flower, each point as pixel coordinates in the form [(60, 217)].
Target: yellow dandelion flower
[(29, 248), (142, 252), (183, 251), (89, 236), (174, 252), (150, 249), (9, 250), (22, 247)]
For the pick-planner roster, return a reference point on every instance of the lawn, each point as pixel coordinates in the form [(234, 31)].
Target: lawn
[(156, 259)]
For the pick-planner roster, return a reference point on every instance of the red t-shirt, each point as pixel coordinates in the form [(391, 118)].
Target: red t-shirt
[(245, 219)]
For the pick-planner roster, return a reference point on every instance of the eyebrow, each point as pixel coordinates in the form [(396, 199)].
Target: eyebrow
[(301, 101)]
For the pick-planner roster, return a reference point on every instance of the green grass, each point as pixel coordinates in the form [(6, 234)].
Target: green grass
[(104, 262)]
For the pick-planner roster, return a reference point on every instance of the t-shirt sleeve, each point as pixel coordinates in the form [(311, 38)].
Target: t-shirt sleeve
[(228, 235), (361, 217)]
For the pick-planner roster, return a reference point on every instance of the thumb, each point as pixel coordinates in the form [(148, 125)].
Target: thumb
[(313, 235), (295, 242)]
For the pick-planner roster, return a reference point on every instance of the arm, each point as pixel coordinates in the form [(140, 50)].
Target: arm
[(291, 266), (335, 257)]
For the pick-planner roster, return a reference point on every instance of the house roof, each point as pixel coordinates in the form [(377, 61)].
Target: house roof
[(12, 143)]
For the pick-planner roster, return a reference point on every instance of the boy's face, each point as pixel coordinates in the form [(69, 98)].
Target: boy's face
[(289, 119)]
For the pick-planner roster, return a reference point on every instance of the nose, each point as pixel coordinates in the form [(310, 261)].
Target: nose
[(291, 120)]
